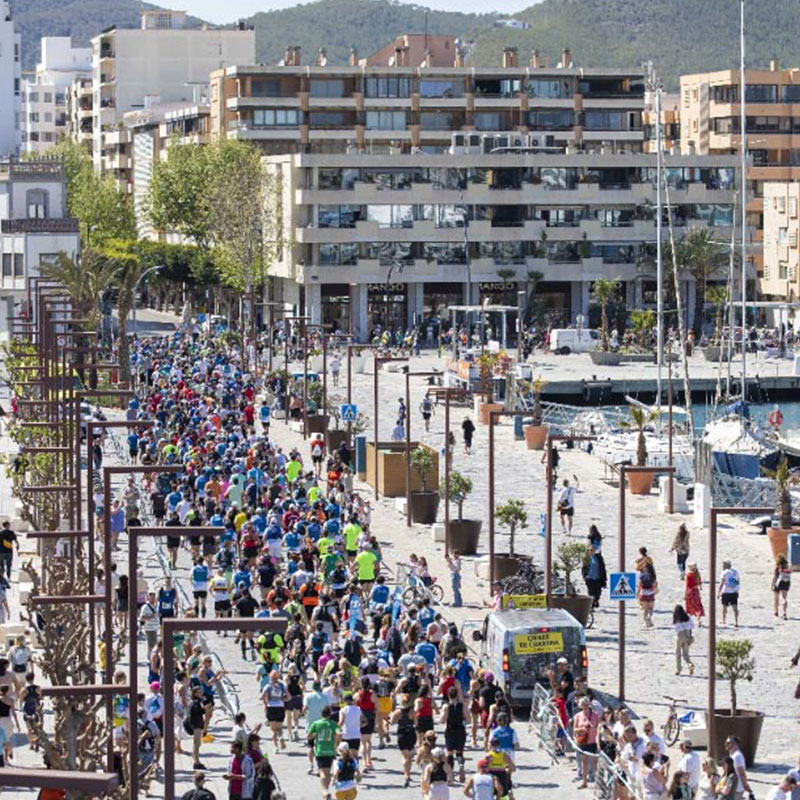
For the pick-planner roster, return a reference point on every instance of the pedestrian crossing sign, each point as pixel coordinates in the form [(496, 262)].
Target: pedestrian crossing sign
[(349, 412), (622, 585)]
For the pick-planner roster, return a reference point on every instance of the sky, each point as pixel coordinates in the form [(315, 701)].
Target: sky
[(214, 11)]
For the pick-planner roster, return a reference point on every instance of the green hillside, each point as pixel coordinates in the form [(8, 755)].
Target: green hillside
[(338, 25), (679, 36)]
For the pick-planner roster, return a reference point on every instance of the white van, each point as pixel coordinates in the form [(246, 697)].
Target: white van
[(520, 646), (574, 340)]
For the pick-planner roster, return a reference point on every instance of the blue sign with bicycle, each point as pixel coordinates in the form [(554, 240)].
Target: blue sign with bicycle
[(622, 585), (349, 412)]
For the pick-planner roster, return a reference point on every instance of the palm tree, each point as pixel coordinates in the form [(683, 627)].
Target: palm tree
[(702, 258), (718, 296), (640, 417), (643, 322), (604, 290)]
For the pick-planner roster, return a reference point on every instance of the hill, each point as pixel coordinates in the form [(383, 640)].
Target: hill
[(80, 19), (367, 25), (679, 36)]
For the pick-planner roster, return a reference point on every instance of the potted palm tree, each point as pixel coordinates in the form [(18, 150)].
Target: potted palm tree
[(571, 557), (604, 291), (462, 534), (779, 536), (640, 482), (487, 362), (424, 504), (735, 662), (513, 516), (536, 433)]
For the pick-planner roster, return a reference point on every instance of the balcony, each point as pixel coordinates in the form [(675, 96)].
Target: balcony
[(54, 225)]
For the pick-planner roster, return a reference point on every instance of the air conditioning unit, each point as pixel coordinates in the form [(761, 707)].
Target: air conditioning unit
[(474, 140), (458, 140), (550, 141), (502, 141), (534, 141), (517, 141)]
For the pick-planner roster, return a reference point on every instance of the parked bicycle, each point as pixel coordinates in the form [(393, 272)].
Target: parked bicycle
[(674, 724)]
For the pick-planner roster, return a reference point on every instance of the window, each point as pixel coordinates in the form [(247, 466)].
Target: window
[(783, 236), (33, 116), (782, 205), (761, 93), (551, 120), (451, 88), (19, 267), (537, 87), (725, 94), (327, 87), (6, 265), (37, 201), (612, 120), (783, 270), (328, 119), (33, 97), (275, 117), (48, 97), (436, 120), (263, 87), (388, 87), (386, 120), (491, 121), (391, 216), (793, 207), (48, 117), (343, 216)]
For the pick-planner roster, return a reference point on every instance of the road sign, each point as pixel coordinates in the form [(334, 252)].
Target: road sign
[(524, 601), (349, 412), (61, 341), (622, 585)]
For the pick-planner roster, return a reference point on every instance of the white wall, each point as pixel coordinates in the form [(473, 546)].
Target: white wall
[(9, 73)]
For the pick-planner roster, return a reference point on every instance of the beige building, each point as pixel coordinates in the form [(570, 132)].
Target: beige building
[(781, 277), (164, 61), (710, 123), (670, 123)]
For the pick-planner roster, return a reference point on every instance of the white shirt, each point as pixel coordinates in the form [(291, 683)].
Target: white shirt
[(567, 497), (654, 738), (776, 794), (690, 764), (483, 786), (738, 761), (730, 581), (632, 756), (351, 719)]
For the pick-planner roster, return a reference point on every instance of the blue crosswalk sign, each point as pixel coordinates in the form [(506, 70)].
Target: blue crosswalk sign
[(622, 585), (349, 412)]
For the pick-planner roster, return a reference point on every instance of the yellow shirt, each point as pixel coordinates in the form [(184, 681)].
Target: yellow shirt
[(239, 520), (366, 561)]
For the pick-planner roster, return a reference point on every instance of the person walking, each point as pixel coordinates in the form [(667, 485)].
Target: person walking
[(566, 504), (732, 745), (692, 599), (680, 546), (403, 717), (9, 542), (454, 563), (426, 409), (783, 789), (684, 638), (728, 591), (483, 785), (468, 431), (434, 777), (594, 575), (690, 765), (584, 726), (646, 585), (781, 581), (707, 786)]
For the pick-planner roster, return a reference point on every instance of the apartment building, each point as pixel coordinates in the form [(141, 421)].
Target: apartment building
[(10, 83), (406, 108), (710, 123), (781, 276), (670, 123), (34, 227), (164, 61), (80, 115), (44, 97), (398, 238)]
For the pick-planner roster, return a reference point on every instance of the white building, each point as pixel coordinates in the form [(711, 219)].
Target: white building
[(164, 62), (34, 228), (10, 80), (44, 99)]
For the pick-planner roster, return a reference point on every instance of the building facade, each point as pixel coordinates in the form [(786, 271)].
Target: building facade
[(781, 276), (398, 238), (164, 61), (710, 123), (34, 227), (80, 113), (404, 109), (44, 98), (10, 83)]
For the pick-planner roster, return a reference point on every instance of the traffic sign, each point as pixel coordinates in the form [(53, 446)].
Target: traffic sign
[(349, 412), (61, 341), (622, 585)]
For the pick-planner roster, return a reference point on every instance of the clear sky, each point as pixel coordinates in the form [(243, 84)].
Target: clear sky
[(228, 11)]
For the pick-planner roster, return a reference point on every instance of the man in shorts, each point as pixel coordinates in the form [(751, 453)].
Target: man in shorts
[(728, 591), (322, 737), (566, 504)]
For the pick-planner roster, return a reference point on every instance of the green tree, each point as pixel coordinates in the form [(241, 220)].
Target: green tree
[(718, 296), (703, 257), (604, 291), (735, 663), (513, 515), (460, 487), (643, 323), (570, 557), (639, 419), (421, 459)]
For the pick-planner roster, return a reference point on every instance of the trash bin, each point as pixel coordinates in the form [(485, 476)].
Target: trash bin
[(518, 423), (794, 551), (361, 454)]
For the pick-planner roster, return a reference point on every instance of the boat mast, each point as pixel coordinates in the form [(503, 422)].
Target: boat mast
[(743, 135)]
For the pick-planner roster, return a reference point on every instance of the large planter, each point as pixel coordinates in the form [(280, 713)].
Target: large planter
[(424, 507), (535, 436), (392, 469), (464, 536), (315, 363), (603, 359), (334, 438), (779, 540), (507, 565), (487, 408), (317, 423), (640, 482), (746, 725), (715, 353), (358, 363), (579, 605)]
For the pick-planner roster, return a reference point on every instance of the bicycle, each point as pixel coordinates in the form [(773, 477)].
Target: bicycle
[(674, 724), (415, 591)]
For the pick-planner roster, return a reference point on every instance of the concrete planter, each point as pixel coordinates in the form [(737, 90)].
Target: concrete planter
[(640, 482), (746, 725), (424, 507), (603, 359), (464, 536), (535, 436), (487, 408)]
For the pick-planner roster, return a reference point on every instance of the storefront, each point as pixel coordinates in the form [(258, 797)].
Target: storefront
[(499, 293), (552, 303), (438, 297), (336, 306), (387, 306)]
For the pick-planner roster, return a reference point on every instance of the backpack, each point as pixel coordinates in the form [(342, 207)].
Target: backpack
[(648, 578)]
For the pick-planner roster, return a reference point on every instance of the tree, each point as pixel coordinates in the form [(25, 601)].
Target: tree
[(718, 296), (533, 306), (735, 663), (703, 257), (536, 412), (460, 487), (604, 291), (643, 323), (421, 463), (513, 515), (784, 480), (639, 419), (570, 557)]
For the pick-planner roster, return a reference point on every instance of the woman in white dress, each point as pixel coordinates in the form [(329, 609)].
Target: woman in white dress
[(707, 788)]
